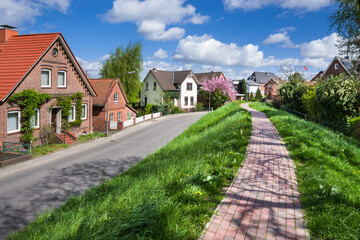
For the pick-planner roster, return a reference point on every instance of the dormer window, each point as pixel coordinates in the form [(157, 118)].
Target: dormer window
[(45, 78), (336, 66)]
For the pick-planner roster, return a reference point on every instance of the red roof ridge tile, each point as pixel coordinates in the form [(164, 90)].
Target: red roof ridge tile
[(36, 34)]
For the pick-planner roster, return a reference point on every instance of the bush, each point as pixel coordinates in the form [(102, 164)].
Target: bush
[(199, 107), (45, 135), (276, 103), (252, 98), (258, 95), (148, 109), (176, 110), (337, 99), (140, 112), (309, 102), (291, 93), (355, 127)]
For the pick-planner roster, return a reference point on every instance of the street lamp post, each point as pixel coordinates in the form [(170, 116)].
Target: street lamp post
[(107, 100)]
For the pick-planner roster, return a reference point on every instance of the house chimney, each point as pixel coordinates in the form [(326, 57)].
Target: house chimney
[(6, 32), (154, 69)]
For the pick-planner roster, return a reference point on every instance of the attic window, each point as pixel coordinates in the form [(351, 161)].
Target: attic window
[(336, 66), (45, 78)]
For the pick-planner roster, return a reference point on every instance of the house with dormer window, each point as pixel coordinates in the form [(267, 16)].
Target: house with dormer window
[(46, 64), (157, 83)]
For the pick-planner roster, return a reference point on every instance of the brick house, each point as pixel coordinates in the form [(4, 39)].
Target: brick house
[(262, 78), (208, 75), (119, 108), (44, 63), (157, 82), (338, 66), (272, 86)]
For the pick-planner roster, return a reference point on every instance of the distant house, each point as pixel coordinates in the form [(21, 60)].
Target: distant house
[(119, 108), (252, 87), (262, 78), (272, 86), (317, 77), (338, 66), (44, 63), (208, 75), (157, 83)]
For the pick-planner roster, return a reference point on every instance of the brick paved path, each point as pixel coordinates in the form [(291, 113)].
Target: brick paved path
[(263, 202)]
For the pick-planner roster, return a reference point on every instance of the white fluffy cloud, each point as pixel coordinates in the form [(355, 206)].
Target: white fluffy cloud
[(321, 48), (281, 37), (153, 16), (206, 50), (308, 5), (92, 68), (161, 53), (17, 12)]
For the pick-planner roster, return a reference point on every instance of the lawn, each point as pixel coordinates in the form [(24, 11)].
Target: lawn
[(328, 172), (171, 194)]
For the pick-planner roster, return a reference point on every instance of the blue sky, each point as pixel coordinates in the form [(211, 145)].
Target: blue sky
[(233, 36)]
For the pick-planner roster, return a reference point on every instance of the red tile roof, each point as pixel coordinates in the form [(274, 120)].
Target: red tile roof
[(18, 55), (101, 87)]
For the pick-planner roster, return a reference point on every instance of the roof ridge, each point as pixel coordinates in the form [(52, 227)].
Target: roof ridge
[(37, 34)]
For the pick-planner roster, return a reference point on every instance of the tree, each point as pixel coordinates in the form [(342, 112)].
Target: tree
[(125, 60), (346, 22), (291, 93), (219, 89), (296, 77), (258, 95), (242, 88)]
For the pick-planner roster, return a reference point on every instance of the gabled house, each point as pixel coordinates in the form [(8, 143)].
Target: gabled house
[(252, 87), (338, 66), (119, 108), (182, 83), (317, 77), (262, 78), (44, 63), (272, 86), (208, 75)]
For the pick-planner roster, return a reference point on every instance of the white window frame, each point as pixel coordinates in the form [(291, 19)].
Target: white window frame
[(19, 127), (73, 110), (113, 116), (119, 116), (37, 117), (116, 97), (84, 113), (147, 86), (49, 71), (62, 86), (336, 66)]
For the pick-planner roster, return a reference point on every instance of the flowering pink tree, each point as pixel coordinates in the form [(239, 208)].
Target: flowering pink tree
[(219, 90)]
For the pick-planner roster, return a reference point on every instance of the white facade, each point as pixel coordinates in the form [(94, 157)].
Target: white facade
[(252, 89), (191, 95), (152, 96)]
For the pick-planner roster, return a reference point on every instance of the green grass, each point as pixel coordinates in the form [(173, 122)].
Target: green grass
[(171, 194), (328, 173), (43, 150), (90, 136)]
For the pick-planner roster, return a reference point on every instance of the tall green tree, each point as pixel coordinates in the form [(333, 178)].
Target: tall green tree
[(124, 60), (242, 89), (346, 22)]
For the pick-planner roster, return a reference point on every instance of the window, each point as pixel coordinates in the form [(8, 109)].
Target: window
[(34, 121), (119, 116), (146, 86), (186, 101), (111, 117), (189, 86), (191, 101), (45, 78), (72, 114), (13, 121), (116, 97), (145, 101), (61, 79), (336, 66), (84, 111), (154, 86)]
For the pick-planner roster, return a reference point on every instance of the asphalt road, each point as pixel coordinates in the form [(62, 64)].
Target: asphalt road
[(43, 183)]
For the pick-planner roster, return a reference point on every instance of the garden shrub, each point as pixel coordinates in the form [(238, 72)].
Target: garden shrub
[(199, 107), (355, 127), (291, 93), (337, 98), (176, 110), (148, 109), (309, 102), (252, 98), (258, 95), (45, 135)]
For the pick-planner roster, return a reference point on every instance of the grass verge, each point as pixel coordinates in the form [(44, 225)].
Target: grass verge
[(328, 173), (90, 136), (43, 150), (171, 194)]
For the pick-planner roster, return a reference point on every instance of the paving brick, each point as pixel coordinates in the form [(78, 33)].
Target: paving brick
[(263, 202)]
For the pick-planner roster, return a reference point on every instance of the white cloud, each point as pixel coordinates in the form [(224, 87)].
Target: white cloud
[(161, 53), (153, 16), (206, 50), (321, 48), (92, 68), (287, 29), (281, 37), (246, 5), (17, 12)]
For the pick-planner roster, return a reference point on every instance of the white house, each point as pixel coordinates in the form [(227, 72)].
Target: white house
[(157, 82), (252, 87)]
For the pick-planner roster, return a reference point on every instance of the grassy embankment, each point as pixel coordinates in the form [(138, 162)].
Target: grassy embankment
[(171, 194), (328, 173)]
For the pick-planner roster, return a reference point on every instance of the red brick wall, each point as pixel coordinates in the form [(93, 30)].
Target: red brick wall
[(335, 72), (5, 34), (74, 84)]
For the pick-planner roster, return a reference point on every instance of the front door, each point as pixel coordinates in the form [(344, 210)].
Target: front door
[(56, 120)]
